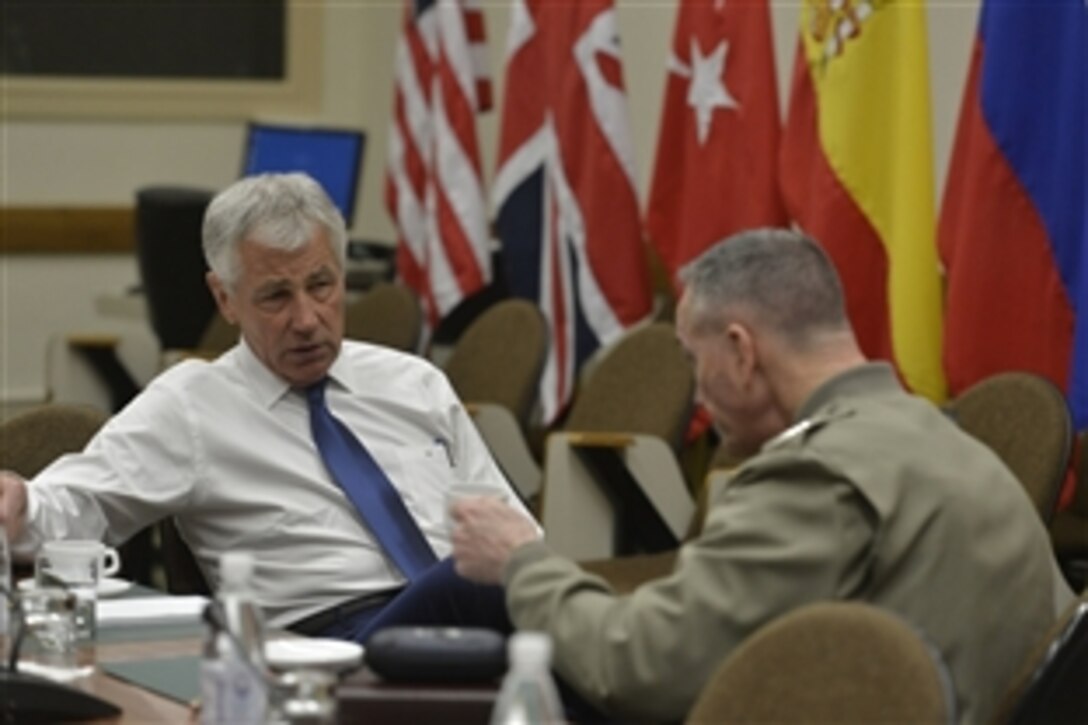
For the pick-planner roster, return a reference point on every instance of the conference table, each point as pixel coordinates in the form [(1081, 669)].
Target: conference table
[(361, 695), (140, 705)]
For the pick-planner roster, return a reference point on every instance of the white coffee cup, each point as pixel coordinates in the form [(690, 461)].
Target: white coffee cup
[(78, 566), (82, 560)]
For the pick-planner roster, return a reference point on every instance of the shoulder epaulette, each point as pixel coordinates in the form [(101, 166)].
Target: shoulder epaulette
[(800, 431)]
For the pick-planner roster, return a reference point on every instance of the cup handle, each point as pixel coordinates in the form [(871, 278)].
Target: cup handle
[(111, 562)]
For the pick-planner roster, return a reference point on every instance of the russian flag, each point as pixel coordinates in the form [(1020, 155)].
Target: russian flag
[(1013, 232)]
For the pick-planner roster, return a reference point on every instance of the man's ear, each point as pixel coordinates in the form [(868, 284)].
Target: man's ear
[(742, 350), (223, 299)]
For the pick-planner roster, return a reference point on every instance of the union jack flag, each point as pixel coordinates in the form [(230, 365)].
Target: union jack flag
[(433, 184), (568, 213)]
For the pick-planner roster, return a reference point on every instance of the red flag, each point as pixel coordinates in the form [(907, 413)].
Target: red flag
[(565, 190), (434, 184), (718, 144)]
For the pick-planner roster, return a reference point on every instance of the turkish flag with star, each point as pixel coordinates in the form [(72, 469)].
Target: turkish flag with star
[(718, 144)]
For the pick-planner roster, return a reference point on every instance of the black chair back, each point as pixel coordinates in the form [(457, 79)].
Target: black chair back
[(1058, 689), (171, 260)]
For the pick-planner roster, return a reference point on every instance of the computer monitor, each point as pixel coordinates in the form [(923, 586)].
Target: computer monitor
[(332, 156)]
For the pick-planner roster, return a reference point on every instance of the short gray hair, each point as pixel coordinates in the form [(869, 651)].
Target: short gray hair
[(783, 278), (276, 210)]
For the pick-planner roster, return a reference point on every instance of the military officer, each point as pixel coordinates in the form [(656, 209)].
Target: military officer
[(852, 489)]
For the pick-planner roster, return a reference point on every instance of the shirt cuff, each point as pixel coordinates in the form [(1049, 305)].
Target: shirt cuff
[(523, 556)]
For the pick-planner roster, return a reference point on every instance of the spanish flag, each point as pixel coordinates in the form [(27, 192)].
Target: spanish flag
[(856, 169)]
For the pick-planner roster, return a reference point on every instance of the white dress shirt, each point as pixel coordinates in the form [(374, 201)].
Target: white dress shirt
[(226, 448)]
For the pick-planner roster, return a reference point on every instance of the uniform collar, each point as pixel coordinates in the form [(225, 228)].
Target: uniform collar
[(863, 380), (821, 407)]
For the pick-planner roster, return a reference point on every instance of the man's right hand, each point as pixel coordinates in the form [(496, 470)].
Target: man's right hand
[(485, 534), (12, 504)]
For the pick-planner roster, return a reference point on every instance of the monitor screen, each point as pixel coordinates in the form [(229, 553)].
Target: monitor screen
[(332, 156)]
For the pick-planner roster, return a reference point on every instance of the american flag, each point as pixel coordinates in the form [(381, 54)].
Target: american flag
[(568, 212), (434, 184)]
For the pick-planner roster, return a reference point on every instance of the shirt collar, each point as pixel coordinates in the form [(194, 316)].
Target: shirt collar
[(339, 371), (268, 386)]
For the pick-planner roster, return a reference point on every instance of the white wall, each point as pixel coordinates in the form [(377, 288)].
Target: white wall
[(49, 162)]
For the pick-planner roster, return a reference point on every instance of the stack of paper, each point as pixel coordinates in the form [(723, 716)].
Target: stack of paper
[(150, 610)]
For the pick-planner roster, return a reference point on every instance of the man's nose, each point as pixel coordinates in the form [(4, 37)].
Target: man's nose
[(304, 315)]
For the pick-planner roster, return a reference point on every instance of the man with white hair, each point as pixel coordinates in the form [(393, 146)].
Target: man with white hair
[(262, 448)]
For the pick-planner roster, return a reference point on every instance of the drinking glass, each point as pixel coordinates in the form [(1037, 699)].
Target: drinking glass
[(77, 566), (49, 642), (467, 489)]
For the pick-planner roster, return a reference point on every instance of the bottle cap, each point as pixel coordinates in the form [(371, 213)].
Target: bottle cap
[(530, 648), (236, 567)]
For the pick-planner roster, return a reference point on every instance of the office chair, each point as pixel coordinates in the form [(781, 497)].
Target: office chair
[(495, 367), (840, 662), (500, 356), (218, 337), (1051, 687), (612, 484), (183, 575), (1024, 419), (627, 573), (180, 307), (171, 263), (34, 438), (1069, 530), (387, 314)]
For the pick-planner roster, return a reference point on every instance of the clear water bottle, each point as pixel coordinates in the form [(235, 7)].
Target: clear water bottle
[(213, 678), (234, 676), (241, 615), (528, 695)]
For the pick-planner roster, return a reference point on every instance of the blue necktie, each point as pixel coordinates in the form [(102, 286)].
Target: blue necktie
[(364, 482)]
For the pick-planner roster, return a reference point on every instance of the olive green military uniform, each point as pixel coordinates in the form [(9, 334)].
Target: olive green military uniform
[(872, 495)]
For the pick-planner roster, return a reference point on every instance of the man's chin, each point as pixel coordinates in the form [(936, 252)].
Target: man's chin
[(306, 370)]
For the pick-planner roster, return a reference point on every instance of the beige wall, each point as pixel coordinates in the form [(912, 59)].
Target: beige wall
[(83, 162)]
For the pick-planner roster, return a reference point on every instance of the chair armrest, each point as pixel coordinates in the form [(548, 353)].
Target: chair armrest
[(578, 513), (600, 440), (101, 352), (503, 437), (93, 341)]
